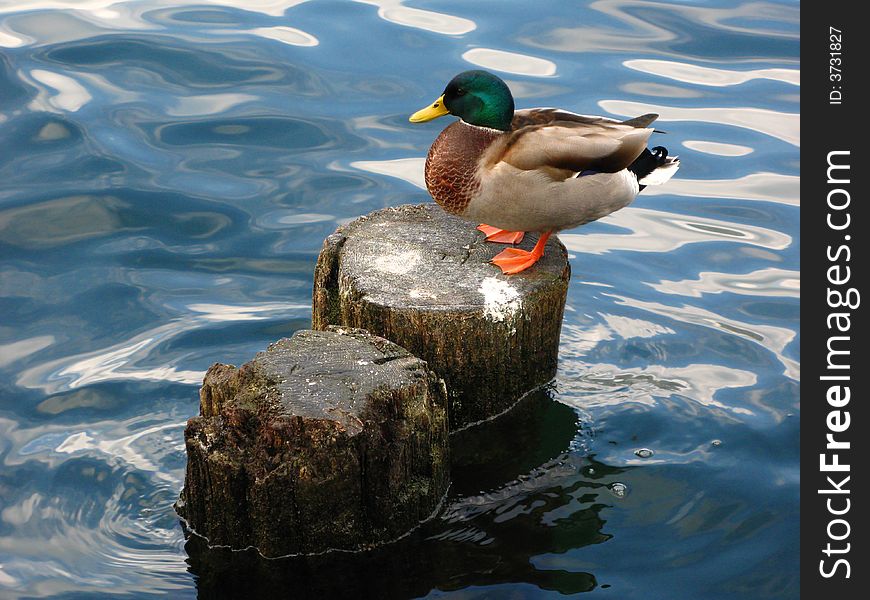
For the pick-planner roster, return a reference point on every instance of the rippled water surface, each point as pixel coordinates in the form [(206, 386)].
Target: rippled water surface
[(168, 172)]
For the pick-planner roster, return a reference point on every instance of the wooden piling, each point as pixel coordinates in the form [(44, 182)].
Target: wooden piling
[(328, 440), (422, 278)]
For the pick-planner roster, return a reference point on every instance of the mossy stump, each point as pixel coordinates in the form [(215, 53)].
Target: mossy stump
[(328, 440), (422, 278)]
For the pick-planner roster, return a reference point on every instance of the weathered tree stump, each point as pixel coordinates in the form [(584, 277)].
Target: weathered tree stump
[(327, 440), (422, 279)]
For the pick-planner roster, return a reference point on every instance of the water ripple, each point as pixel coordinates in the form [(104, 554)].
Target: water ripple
[(120, 516), (70, 95), (285, 35), (510, 62), (700, 75), (780, 125), (764, 282), (670, 28), (120, 361), (660, 232), (775, 339), (766, 187), (396, 12), (717, 148)]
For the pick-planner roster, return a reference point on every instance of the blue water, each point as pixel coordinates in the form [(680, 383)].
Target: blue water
[(168, 173)]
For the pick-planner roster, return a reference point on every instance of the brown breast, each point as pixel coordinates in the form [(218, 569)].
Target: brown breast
[(451, 165)]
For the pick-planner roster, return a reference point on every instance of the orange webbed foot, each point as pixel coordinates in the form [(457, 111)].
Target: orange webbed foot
[(502, 236), (515, 260)]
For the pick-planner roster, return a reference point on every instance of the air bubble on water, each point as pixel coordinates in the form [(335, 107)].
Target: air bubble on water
[(618, 489), (644, 452)]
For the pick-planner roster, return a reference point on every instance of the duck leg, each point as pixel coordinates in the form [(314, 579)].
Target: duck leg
[(503, 236), (514, 260)]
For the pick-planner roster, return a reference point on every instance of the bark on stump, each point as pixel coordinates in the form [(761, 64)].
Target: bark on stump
[(422, 279), (327, 440)]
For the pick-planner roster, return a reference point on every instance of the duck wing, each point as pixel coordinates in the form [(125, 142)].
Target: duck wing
[(556, 139), (542, 116)]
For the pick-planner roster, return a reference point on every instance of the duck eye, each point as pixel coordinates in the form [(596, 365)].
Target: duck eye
[(460, 92)]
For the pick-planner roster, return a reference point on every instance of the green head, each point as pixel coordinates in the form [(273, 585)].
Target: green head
[(477, 97)]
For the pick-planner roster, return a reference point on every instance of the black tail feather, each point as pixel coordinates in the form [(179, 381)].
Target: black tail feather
[(648, 161)]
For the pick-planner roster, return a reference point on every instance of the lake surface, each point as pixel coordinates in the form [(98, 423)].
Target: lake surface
[(168, 173)]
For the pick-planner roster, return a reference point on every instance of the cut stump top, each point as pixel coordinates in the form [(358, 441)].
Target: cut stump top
[(418, 256), (322, 375)]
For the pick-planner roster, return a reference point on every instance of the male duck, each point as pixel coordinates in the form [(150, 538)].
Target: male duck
[(536, 169)]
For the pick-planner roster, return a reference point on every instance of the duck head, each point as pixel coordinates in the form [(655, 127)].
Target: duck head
[(477, 97)]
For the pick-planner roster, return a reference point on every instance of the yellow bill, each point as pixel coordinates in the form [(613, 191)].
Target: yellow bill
[(430, 112)]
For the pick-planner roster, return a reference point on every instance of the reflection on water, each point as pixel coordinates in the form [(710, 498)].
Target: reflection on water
[(396, 12), (680, 30), (174, 170), (69, 97), (769, 187), (781, 125), (121, 361), (774, 339), (286, 35), (659, 231), (764, 282), (510, 62), (717, 148), (699, 75)]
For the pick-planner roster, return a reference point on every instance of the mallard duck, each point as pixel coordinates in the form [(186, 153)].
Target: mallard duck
[(535, 169)]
